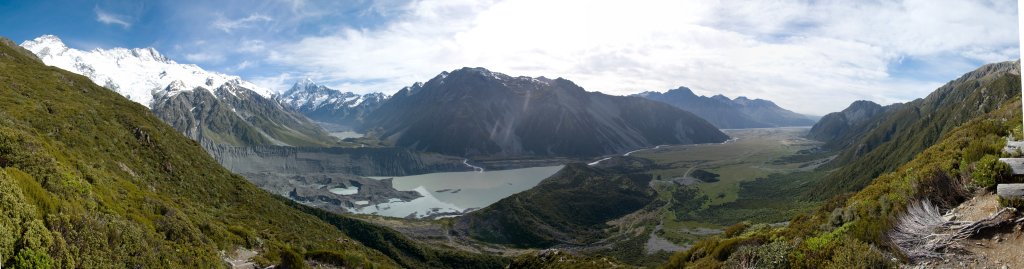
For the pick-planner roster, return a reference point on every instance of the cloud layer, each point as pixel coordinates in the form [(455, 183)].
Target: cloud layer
[(812, 57)]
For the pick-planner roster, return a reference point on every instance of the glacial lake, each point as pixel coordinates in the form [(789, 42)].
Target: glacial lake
[(454, 192)]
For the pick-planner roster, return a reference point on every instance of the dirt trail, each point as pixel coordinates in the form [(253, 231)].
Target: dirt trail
[(998, 249)]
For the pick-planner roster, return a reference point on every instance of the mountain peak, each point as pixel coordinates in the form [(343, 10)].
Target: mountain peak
[(48, 39), (45, 45), (861, 104), (136, 73), (681, 92)]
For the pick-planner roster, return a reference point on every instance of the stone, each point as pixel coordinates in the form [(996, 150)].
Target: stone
[(1016, 164), (1010, 191)]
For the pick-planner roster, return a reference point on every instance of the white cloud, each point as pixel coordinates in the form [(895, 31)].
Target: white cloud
[(279, 82), (110, 18), (246, 64), (230, 25), (811, 57), (251, 46), (202, 57)]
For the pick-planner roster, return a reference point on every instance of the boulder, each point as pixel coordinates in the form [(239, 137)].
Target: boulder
[(1016, 164), (1010, 191)]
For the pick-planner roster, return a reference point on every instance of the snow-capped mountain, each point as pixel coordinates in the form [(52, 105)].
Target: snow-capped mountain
[(207, 106), (339, 110), (139, 74)]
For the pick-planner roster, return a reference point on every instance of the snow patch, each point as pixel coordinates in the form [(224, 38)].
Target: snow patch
[(139, 74)]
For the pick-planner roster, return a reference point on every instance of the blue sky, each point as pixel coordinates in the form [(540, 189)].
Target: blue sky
[(810, 56)]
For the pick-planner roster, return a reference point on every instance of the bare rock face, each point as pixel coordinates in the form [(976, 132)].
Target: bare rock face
[(352, 161)]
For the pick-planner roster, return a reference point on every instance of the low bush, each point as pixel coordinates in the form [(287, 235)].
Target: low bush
[(989, 171)]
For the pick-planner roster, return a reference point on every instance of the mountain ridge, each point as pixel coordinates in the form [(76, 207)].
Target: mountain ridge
[(737, 113), (473, 112), (320, 103), (202, 104)]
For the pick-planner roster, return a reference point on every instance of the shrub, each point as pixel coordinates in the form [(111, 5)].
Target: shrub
[(736, 229), (988, 171), (1015, 203), (29, 258), (291, 260), (772, 255), (857, 254), (342, 259)]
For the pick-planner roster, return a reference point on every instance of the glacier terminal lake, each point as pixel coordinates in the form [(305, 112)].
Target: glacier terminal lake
[(455, 192)]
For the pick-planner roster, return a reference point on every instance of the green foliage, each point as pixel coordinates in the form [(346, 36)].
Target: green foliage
[(909, 129), (1015, 203), (562, 208), (848, 231), (771, 255), (405, 252), (29, 258), (291, 260), (857, 254), (704, 175), (553, 259), (736, 229), (89, 179), (342, 259), (686, 201), (989, 171)]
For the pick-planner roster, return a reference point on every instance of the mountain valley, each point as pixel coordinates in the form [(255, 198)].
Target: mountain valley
[(169, 165)]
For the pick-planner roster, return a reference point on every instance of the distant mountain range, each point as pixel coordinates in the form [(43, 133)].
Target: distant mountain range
[(341, 111), (726, 113), (473, 112), (206, 106)]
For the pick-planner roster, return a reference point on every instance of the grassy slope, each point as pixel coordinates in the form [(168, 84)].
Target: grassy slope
[(848, 230), (89, 179), (897, 139)]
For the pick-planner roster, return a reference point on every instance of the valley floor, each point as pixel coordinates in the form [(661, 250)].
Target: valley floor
[(753, 154), (649, 236)]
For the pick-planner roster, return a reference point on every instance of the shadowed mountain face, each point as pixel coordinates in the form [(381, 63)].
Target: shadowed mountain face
[(726, 113), (474, 112)]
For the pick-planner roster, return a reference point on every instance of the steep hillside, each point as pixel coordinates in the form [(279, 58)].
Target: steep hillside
[(474, 112), (903, 131), (730, 113), (839, 129), (342, 110), (854, 231), (89, 179), (204, 105), (570, 207)]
